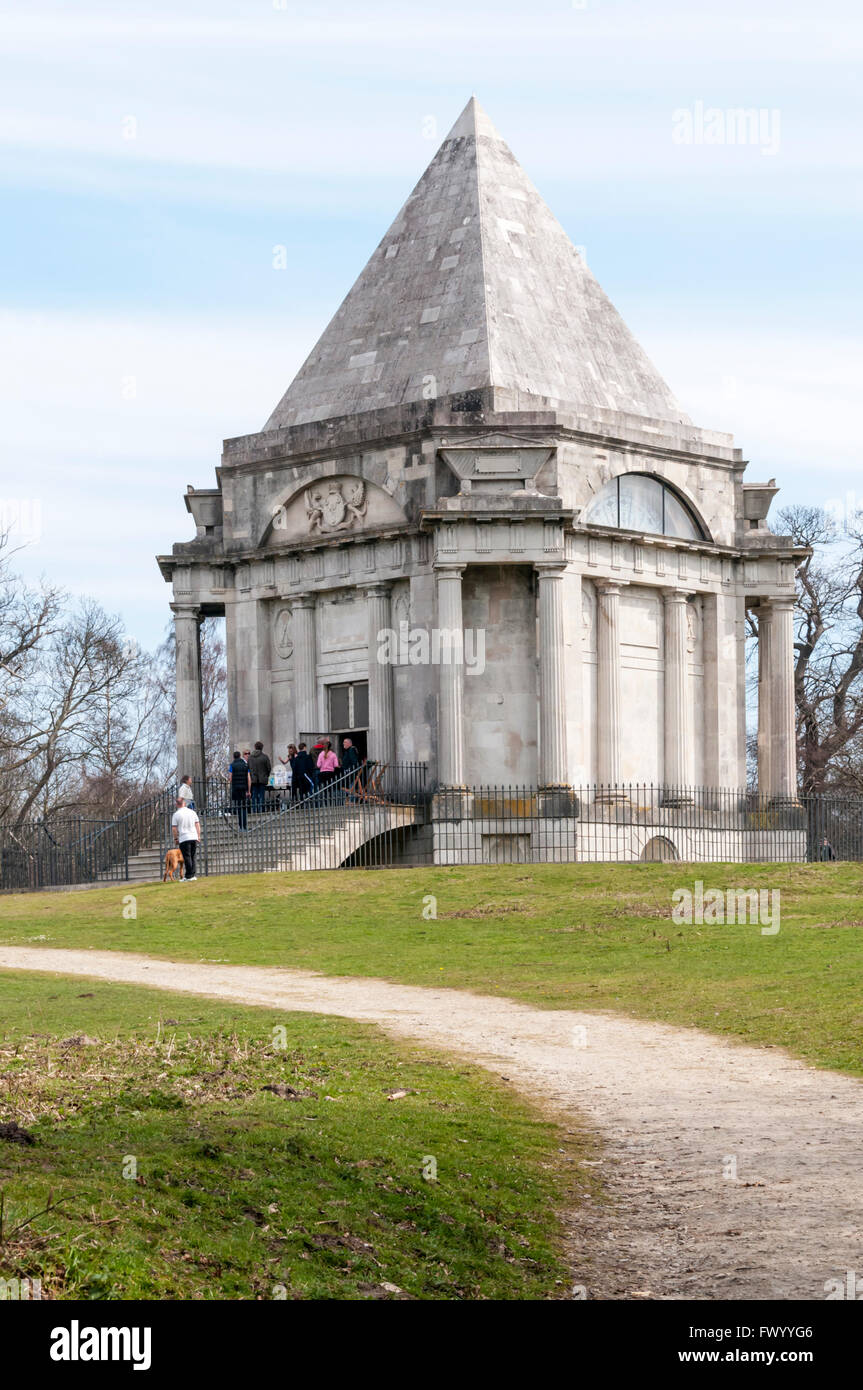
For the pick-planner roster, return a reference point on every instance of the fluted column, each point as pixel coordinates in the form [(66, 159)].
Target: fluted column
[(451, 688), (765, 618), (382, 738), (553, 762), (607, 683), (190, 715), (678, 718), (780, 697), (306, 717)]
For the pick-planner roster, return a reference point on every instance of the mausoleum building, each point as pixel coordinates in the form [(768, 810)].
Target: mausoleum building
[(479, 532)]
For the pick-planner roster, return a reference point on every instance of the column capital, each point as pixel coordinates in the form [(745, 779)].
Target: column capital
[(380, 588), (551, 569), (609, 586), (450, 568), (305, 600), (186, 610), (671, 595), (783, 603)]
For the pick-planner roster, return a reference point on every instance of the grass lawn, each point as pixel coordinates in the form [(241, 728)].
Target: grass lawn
[(178, 1177), (595, 936)]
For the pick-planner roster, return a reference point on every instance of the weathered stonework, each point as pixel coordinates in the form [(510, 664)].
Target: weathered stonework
[(435, 465)]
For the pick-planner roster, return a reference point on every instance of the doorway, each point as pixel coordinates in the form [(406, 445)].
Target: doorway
[(348, 705)]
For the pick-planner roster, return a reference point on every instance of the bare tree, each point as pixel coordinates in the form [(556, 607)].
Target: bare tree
[(828, 675), (28, 616), (76, 719), (81, 717), (214, 701)]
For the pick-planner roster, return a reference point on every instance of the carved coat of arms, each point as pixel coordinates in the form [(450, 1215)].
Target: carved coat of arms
[(337, 509)]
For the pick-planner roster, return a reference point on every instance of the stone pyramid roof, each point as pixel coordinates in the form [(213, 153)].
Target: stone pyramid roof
[(476, 285)]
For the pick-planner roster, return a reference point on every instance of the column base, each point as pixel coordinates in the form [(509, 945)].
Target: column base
[(559, 802), (452, 803), (786, 811), (611, 796), (672, 800)]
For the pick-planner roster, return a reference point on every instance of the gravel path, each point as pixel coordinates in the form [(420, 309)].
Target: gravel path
[(735, 1172)]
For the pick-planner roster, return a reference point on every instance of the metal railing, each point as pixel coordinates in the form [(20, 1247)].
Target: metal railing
[(365, 816), (390, 816), (73, 850), (640, 822)]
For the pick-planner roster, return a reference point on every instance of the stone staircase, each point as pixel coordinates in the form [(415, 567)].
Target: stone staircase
[(146, 865), (322, 837)]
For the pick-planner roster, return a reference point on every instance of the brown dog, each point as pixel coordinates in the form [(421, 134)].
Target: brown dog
[(173, 863)]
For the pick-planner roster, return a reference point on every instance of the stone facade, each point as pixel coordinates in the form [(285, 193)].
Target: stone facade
[(447, 461)]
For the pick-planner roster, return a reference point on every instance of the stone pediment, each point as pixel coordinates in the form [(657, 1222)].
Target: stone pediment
[(332, 508)]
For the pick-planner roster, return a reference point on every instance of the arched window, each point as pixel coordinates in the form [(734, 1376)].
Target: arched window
[(659, 850), (639, 502)]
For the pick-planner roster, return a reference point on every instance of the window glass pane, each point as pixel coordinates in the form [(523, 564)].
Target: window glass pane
[(602, 511), (640, 508), (640, 504), (361, 705), (678, 522), (339, 707)]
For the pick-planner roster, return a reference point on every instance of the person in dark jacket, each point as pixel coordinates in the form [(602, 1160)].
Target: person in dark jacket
[(289, 762), (351, 764), (260, 768), (241, 788), (350, 757), (826, 852), (303, 768)]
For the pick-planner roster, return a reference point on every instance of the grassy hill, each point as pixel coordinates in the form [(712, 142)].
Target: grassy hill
[(161, 1167), (157, 1166), (595, 936)]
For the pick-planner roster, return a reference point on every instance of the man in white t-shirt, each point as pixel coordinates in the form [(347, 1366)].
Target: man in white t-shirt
[(186, 793), (187, 832)]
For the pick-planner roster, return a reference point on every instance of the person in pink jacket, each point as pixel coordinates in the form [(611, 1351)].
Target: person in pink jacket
[(328, 766)]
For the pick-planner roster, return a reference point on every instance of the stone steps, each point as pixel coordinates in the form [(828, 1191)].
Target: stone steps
[(320, 840)]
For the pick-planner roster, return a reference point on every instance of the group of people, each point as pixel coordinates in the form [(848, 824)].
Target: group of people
[(250, 773), (305, 772)]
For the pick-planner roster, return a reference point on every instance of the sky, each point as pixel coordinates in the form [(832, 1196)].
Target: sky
[(153, 155)]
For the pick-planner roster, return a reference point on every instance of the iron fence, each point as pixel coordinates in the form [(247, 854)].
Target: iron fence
[(638, 822), (390, 816), (364, 817), (74, 850)]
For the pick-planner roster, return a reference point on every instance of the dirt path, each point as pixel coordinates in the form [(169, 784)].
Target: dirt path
[(677, 1108)]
